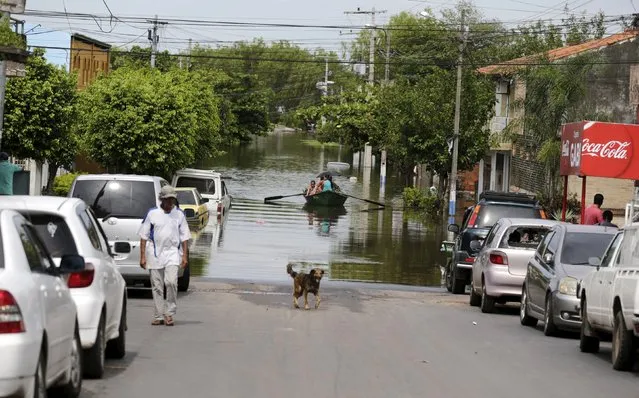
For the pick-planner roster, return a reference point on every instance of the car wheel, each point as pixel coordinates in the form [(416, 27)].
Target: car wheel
[(475, 299), (458, 285), (550, 329), (524, 318), (117, 348), (487, 302), (623, 347), (73, 387), (449, 277), (40, 382), (587, 342), (185, 280), (94, 356)]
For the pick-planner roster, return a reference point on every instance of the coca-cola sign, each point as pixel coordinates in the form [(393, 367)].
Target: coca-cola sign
[(610, 150), (607, 150)]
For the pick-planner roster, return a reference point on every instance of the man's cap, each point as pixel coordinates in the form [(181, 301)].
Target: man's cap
[(167, 191)]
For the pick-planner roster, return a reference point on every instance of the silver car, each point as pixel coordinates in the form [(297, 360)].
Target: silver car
[(549, 293), (500, 267)]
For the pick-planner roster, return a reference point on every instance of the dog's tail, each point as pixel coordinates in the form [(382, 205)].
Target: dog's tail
[(289, 270)]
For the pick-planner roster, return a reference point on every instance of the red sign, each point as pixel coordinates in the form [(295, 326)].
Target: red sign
[(600, 149)]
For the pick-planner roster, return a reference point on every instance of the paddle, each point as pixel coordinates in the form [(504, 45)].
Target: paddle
[(281, 196), (365, 200)]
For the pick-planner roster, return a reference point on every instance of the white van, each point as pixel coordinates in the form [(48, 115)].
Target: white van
[(210, 185)]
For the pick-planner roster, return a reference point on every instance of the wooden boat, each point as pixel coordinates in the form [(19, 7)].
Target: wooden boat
[(326, 198)]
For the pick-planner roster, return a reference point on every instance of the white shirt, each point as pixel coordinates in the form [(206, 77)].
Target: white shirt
[(164, 233)]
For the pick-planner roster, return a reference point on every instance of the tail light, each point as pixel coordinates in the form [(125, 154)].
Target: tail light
[(473, 217), (11, 320), (499, 258), (219, 209), (469, 259), (82, 278), (543, 214)]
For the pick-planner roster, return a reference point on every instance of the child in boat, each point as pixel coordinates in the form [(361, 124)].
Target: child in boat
[(310, 189)]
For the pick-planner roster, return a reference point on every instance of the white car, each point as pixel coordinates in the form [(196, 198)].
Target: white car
[(210, 185), (39, 333), (67, 226), (609, 300)]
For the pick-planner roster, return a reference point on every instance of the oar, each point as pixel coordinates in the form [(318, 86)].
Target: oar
[(281, 196), (365, 200)]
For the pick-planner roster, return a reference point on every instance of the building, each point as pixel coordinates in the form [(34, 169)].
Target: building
[(612, 89), (89, 58)]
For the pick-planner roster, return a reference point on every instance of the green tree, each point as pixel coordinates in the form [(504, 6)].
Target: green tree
[(146, 121), (140, 57), (39, 115)]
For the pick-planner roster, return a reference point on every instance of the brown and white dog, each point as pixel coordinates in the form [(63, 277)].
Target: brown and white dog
[(303, 284)]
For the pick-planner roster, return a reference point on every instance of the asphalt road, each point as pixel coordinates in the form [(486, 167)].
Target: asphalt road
[(247, 341)]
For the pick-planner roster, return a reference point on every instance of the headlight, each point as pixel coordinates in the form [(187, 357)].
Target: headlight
[(568, 286)]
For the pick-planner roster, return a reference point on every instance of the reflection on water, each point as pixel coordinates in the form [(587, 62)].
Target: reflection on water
[(357, 242)]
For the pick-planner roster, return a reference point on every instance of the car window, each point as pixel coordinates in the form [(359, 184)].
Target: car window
[(89, 227), (544, 243), (54, 233), (185, 198), (608, 257), (224, 191), (578, 247), (491, 213), (199, 196), (523, 237), (122, 199), (628, 252), (467, 214), (36, 257), (103, 237), (204, 185), (491, 235)]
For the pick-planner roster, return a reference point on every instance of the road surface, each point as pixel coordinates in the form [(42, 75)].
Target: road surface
[(247, 341)]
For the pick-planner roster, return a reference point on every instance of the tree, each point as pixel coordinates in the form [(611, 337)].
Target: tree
[(39, 115), (140, 57), (148, 122)]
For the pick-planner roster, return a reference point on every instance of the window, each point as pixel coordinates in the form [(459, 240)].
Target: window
[(204, 185), (103, 237), (117, 198), (606, 261), (544, 243), (224, 191), (185, 198), (491, 213), (523, 237), (580, 246), (89, 227), (38, 260), (54, 233), (491, 235)]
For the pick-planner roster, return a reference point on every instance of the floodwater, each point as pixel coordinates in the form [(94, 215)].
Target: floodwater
[(360, 242)]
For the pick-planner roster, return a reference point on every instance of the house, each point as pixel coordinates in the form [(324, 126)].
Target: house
[(613, 89)]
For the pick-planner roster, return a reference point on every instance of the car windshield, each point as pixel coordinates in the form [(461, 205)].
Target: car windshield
[(489, 214), (579, 246), (122, 199), (523, 237), (186, 198), (54, 232), (204, 185)]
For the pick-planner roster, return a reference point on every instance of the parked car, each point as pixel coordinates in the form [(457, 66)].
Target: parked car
[(500, 267), (210, 185), (67, 226), (549, 293), (477, 221), (609, 300), (39, 334), (120, 202), (194, 206)]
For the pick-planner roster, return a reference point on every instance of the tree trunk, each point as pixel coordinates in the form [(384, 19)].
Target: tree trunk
[(53, 169)]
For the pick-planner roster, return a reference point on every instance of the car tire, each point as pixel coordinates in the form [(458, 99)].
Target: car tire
[(458, 285), (550, 329), (448, 276), (185, 280), (116, 348), (623, 345), (94, 357), (524, 318), (40, 380), (487, 302), (73, 387), (475, 299), (587, 342)]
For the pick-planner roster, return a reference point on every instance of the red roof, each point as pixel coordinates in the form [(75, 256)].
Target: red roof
[(560, 53)]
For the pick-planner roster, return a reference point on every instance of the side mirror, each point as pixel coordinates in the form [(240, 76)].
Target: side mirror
[(454, 228), (475, 245), (594, 261), (205, 200), (70, 263), (548, 258)]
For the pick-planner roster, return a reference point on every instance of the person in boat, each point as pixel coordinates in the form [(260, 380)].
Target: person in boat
[(328, 184), (310, 190), (320, 185)]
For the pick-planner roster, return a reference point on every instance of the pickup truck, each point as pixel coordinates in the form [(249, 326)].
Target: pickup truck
[(609, 300)]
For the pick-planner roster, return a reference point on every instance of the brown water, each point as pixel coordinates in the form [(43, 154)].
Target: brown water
[(362, 243)]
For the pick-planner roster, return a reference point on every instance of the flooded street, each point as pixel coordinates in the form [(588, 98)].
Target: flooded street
[(256, 240)]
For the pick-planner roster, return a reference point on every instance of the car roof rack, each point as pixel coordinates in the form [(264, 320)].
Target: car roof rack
[(515, 197)]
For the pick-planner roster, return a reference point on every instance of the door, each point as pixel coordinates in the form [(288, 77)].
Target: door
[(534, 274), (226, 198), (547, 269), (600, 299)]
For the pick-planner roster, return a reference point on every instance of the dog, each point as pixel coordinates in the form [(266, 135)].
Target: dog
[(303, 284)]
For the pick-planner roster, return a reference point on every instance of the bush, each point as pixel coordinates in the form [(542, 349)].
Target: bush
[(416, 199), (62, 184), (553, 205)]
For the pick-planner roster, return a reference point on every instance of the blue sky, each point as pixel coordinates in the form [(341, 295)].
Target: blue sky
[(56, 32)]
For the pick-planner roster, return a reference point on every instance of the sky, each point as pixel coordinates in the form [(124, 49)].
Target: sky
[(173, 37)]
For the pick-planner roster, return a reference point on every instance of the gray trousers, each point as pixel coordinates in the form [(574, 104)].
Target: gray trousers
[(161, 278)]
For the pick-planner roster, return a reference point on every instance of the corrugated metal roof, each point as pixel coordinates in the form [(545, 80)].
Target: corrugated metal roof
[(511, 66)]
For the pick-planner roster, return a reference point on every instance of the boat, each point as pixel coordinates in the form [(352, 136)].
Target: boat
[(320, 212), (326, 198)]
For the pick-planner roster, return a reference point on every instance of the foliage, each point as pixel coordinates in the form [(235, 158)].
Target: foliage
[(146, 121), (416, 199), (552, 204), (9, 38), (39, 115), (62, 184), (140, 57)]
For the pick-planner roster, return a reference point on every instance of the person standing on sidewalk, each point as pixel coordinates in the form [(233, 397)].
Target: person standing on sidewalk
[(164, 237), (7, 169), (593, 213)]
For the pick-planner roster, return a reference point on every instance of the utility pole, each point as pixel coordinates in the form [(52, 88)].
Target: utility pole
[(326, 78), (188, 62), (453, 173), (154, 38), (371, 55)]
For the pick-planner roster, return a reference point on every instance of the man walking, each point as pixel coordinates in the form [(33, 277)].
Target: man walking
[(593, 214), (7, 170), (164, 237)]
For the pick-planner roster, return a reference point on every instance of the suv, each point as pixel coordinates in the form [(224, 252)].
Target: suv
[(120, 202), (477, 222)]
